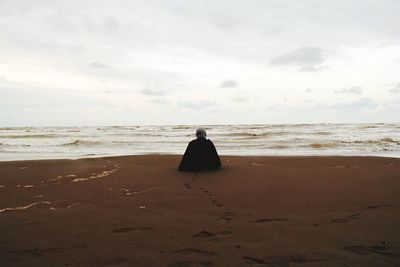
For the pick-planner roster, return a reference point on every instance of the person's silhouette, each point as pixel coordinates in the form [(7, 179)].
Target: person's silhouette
[(200, 154)]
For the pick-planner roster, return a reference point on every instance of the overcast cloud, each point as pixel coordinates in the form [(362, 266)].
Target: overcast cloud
[(395, 89), (184, 62), (228, 83), (351, 90), (307, 58)]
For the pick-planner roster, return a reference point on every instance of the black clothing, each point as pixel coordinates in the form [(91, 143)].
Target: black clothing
[(200, 155)]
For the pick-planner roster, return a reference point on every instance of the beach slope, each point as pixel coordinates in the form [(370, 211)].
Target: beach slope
[(255, 211)]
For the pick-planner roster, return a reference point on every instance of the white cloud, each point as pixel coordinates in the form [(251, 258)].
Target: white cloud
[(351, 90), (240, 98), (98, 65), (201, 104), (395, 89), (356, 105), (132, 54), (153, 92), (308, 58), (229, 83), (160, 100)]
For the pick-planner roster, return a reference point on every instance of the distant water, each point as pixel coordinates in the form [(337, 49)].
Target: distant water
[(22, 143)]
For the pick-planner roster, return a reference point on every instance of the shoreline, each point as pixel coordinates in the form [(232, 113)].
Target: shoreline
[(140, 211), (221, 155)]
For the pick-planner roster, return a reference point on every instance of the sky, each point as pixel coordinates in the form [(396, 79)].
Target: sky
[(198, 62)]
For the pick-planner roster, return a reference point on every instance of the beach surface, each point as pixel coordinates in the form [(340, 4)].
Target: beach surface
[(255, 211)]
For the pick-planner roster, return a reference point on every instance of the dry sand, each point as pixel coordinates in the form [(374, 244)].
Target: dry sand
[(255, 211)]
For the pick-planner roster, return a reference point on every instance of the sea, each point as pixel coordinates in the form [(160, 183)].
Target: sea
[(372, 139)]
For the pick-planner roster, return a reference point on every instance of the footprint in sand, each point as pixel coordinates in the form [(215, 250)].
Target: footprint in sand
[(287, 261), (227, 216), (271, 220), (187, 185), (36, 252), (208, 193), (192, 251), (378, 250), (191, 264), (189, 182), (253, 261), (204, 234), (210, 197), (131, 229), (347, 219), (282, 261), (211, 236), (106, 262), (216, 202), (373, 207)]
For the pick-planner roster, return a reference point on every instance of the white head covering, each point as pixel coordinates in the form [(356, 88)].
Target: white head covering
[(200, 132)]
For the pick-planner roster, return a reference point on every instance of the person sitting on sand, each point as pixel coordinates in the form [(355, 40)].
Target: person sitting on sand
[(200, 154)]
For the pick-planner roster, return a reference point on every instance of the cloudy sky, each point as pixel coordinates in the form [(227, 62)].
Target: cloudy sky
[(199, 62)]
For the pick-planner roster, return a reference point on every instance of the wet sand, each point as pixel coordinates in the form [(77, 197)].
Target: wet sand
[(255, 211)]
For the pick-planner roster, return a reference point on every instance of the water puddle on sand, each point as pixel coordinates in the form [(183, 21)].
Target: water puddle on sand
[(129, 192), (96, 175), (81, 179), (54, 179), (24, 207), (19, 208)]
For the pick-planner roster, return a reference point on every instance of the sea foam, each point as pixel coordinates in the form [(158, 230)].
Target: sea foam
[(18, 143)]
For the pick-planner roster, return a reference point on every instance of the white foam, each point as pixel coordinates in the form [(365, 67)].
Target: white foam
[(96, 175), (24, 207), (381, 139)]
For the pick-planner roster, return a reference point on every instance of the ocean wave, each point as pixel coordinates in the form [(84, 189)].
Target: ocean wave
[(112, 128), (322, 145), (322, 133), (79, 142), (23, 136), (369, 127), (385, 140), (275, 133), (240, 134), (279, 147), (182, 127), (382, 141), (252, 134)]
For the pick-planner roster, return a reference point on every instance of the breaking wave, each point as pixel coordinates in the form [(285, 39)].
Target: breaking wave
[(249, 134), (386, 140), (79, 142), (322, 145), (257, 139), (23, 136)]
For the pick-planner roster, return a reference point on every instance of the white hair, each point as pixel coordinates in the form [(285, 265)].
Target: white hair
[(200, 132)]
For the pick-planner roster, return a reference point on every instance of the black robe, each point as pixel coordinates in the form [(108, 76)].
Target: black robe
[(200, 155)]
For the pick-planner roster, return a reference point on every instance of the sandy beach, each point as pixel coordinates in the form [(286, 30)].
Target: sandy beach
[(255, 211)]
